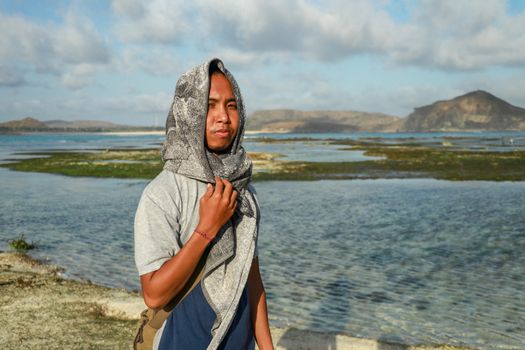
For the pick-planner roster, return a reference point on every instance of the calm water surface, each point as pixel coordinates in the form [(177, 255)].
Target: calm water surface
[(412, 261)]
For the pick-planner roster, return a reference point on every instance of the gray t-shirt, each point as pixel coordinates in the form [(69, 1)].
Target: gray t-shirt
[(167, 215)]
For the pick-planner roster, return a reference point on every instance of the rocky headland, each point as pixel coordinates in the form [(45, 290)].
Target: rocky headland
[(474, 111)]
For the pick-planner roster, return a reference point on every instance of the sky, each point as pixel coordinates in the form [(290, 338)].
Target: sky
[(119, 60)]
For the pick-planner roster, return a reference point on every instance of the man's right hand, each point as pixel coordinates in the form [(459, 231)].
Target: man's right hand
[(216, 207)]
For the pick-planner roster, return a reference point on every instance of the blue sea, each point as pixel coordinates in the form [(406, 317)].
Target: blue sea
[(414, 261)]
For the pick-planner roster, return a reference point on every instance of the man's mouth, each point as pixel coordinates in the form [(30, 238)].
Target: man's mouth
[(223, 133)]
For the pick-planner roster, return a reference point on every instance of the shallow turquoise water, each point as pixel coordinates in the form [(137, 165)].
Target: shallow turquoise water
[(412, 261)]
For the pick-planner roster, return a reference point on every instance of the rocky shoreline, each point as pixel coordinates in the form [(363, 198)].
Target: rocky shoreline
[(42, 310)]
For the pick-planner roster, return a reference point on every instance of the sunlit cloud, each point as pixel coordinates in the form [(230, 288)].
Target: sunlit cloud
[(301, 54), (446, 34), (63, 50)]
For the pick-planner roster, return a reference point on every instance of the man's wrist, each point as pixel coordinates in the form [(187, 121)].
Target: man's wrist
[(210, 231), (204, 235)]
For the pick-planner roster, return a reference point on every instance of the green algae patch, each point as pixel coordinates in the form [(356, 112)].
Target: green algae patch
[(410, 160), (118, 163), (414, 161), (442, 163), (115, 163)]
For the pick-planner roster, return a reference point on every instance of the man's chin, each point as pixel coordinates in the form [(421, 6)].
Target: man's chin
[(219, 149)]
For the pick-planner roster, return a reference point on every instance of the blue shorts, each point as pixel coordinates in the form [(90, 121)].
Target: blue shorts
[(189, 325)]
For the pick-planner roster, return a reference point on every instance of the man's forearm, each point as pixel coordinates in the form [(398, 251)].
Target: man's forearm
[(258, 308), (160, 286), (261, 325)]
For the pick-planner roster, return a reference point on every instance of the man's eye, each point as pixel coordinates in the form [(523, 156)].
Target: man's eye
[(232, 106)]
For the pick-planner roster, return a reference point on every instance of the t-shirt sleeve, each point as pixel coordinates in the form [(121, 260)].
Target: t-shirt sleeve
[(157, 235)]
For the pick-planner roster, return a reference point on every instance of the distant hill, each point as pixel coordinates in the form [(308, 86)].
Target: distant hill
[(24, 124), (80, 124), (474, 111), (33, 125), (289, 120)]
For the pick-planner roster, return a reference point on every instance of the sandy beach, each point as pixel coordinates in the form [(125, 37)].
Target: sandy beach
[(42, 310)]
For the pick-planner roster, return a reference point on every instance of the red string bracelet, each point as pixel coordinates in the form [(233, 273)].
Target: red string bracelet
[(206, 237)]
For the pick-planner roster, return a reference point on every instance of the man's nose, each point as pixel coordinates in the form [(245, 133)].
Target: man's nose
[(222, 115)]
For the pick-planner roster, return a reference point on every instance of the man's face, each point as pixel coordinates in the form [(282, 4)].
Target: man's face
[(222, 120)]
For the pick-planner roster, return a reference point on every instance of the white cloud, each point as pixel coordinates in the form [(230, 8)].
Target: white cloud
[(297, 90), (129, 8), (272, 46), (28, 42), (156, 21), (152, 60), (444, 34), (79, 76), (51, 49), (298, 27), (77, 42), (458, 17), (461, 35)]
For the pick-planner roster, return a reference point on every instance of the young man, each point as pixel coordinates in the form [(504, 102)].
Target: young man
[(201, 206)]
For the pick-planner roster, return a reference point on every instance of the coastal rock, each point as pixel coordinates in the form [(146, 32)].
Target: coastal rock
[(474, 111)]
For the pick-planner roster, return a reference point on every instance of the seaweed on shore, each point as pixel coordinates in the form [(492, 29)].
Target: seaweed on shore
[(20, 244)]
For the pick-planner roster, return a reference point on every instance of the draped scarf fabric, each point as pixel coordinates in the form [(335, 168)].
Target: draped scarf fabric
[(184, 152)]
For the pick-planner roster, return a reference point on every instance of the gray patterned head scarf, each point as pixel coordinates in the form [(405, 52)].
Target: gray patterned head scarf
[(184, 152)]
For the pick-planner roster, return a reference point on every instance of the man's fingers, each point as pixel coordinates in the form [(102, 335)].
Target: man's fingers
[(219, 186), (209, 191), (227, 190), (233, 199)]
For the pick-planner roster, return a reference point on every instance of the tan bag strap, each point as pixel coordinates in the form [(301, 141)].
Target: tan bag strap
[(159, 316)]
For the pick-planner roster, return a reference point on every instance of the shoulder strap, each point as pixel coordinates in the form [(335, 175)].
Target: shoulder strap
[(159, 316)]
